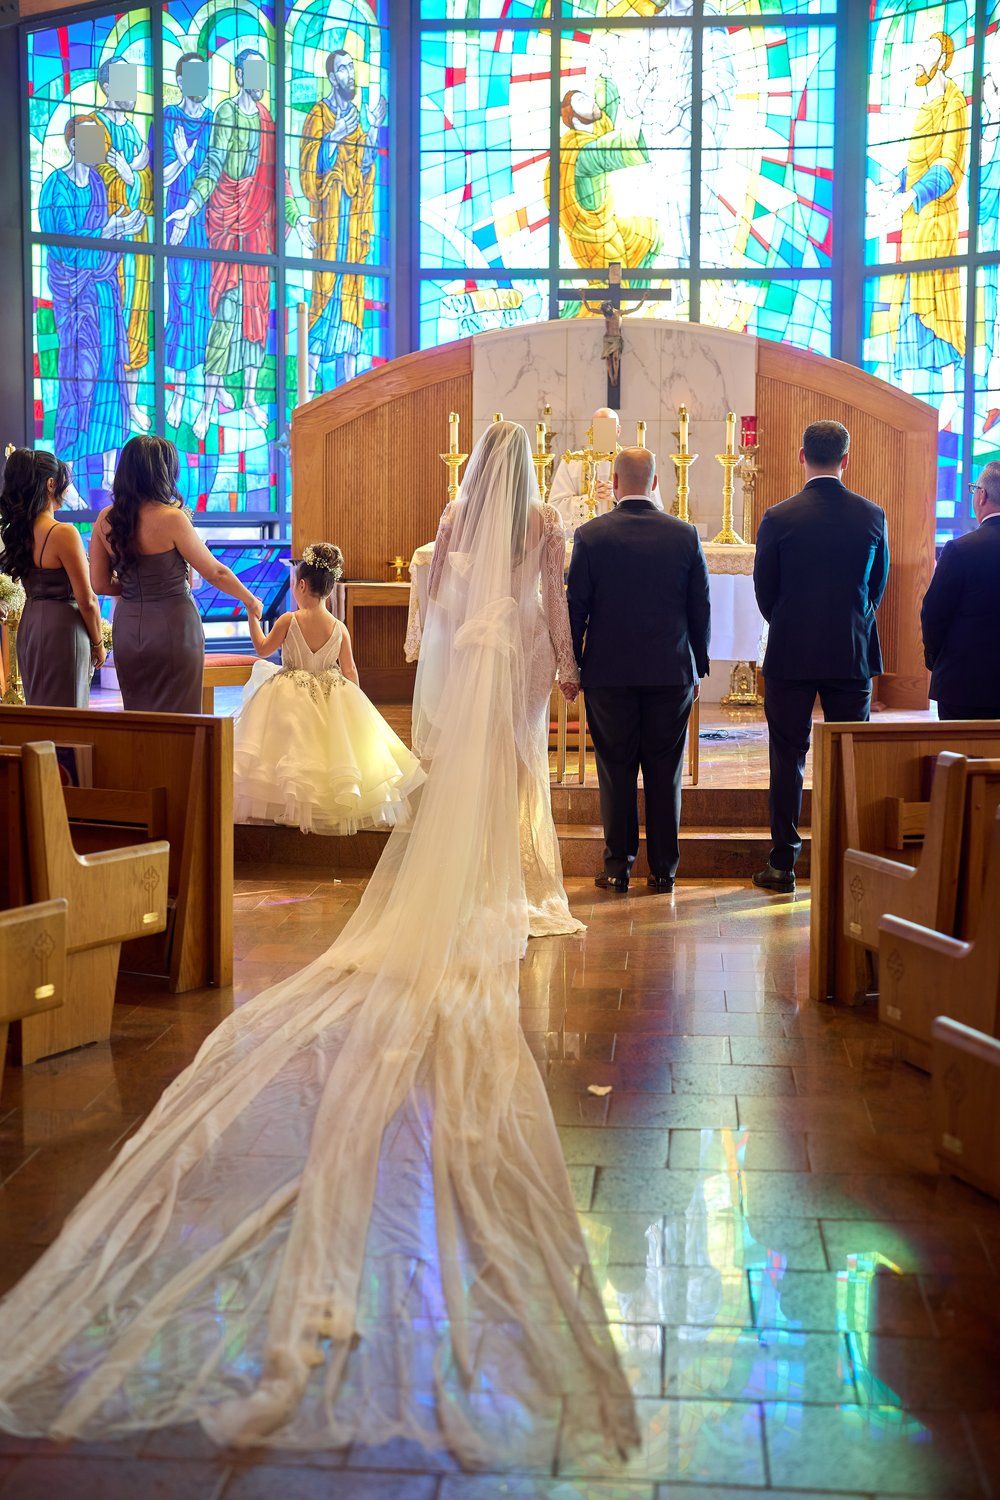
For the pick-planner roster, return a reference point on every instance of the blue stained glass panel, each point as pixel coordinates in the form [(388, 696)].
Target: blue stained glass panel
[(461, 306), (789, 311), (767, 147)]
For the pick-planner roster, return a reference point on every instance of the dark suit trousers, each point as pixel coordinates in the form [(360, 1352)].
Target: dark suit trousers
[(788, 706), (948, 710), (633, 729)]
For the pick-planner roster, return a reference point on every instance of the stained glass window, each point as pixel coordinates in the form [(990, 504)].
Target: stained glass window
[(90, 395), (989, 140), (484, 149), (326, 363), (919, 121), (791, 312), (202, 239), (767, 147), (915, 339), (986, 373), (625, 148), (462, 306)]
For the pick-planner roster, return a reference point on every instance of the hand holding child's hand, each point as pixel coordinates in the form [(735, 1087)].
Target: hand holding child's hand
[(255, 608)]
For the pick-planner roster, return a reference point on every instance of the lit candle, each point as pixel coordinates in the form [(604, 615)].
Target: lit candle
[(748, 431), (640, 434), (453, 432), (731, 432), (539, 437), (682, 434)]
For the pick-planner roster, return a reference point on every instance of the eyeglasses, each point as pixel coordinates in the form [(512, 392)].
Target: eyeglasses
[(974, 488)]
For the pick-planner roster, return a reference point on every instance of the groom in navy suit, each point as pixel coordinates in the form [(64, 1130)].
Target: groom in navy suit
[(820, 571), (639, 613)]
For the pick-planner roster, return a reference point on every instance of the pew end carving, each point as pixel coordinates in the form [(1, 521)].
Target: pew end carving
[(111, 896), (965, 1111), (925, 974), (925, 893), (32, 964)]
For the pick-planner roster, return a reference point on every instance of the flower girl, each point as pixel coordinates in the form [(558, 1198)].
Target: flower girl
[(311, 750)]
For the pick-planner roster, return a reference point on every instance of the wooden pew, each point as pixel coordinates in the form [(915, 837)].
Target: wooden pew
[(965, 1103), (111, 896), (173, 775), (982, 800), (32, 964), (886, 759), (924, 974), (924, 893)]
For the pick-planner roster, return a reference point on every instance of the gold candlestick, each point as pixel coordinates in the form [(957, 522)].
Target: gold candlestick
[(498, 416), (682, 461), (453, 459), (542, 460), (398, 565), (728, 536), (640, 434)]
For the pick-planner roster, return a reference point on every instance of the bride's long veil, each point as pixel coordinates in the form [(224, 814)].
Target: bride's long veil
[(349, 1218)]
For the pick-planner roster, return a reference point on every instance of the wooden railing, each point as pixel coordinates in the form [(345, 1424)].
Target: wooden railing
[(564, 758)]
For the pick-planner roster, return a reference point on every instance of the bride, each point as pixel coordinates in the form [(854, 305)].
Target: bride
[(349, 1220)]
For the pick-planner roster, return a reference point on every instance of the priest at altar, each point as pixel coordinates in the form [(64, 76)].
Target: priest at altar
[(568, 492)]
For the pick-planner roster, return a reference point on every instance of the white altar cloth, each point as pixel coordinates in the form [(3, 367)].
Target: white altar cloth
[(738, 630)]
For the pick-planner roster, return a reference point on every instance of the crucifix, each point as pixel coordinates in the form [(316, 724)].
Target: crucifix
[(611, 308)]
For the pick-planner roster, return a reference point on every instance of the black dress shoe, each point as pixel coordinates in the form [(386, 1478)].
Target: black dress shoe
[(662, 883), (617, 883), (780, 882)]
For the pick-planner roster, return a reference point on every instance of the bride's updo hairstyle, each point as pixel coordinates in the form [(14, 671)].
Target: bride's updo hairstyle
[(24, 497), (321, 566)]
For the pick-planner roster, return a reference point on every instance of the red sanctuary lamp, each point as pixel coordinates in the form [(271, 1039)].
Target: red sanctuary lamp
[(748, 432)]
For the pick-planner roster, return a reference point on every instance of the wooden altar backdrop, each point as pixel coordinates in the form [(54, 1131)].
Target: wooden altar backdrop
[(366, 474)]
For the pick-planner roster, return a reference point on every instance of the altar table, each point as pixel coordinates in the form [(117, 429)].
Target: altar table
[(738, 629)]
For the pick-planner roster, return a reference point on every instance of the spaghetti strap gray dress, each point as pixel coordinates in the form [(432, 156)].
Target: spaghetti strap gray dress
[(159, 644), (53, 646)]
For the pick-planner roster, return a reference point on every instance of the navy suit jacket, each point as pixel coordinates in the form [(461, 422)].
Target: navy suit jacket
[(820, 572), (638, 599), (961, 621)]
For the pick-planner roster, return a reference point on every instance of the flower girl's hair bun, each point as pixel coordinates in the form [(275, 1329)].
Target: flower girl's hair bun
[(321, 566)]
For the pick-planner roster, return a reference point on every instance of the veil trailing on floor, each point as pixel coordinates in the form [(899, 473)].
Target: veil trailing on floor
[(349, 1219)]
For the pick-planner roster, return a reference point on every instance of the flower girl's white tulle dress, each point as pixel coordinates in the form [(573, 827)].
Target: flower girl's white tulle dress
[(312, 751)]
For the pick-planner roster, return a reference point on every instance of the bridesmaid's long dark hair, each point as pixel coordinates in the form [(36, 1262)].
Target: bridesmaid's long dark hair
[(147, 470), (25, 496)]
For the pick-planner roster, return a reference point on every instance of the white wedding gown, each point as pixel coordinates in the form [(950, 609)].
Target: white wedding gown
[(349, 1218)]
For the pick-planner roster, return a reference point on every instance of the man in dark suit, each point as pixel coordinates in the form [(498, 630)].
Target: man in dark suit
[(820, 572), (639, 612), (961, 613)]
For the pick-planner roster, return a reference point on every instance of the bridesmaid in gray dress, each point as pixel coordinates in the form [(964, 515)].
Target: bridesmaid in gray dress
[(59, 639), (142, 551)]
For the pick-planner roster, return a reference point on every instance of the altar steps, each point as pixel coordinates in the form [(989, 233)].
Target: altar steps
[(724, 835)]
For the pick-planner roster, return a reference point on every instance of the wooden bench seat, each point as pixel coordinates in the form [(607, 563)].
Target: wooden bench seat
[(924, 974), (111, 896), (224, 670), (965, 1103), (32, 964)]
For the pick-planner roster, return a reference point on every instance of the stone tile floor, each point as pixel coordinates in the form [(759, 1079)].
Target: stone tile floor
[(801, 1304)]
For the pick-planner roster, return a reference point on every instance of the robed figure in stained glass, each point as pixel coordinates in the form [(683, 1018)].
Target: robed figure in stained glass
[(601, 139), (92, 415), (337, 165), (186, 132), (926, 312), (128, 177), (236, 189)]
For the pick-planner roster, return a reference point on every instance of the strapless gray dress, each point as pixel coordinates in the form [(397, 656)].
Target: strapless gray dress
[(53, 647), (159, 644)]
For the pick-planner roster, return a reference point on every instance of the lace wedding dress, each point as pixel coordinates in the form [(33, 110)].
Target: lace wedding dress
[(349, 1220), (546, 648)]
